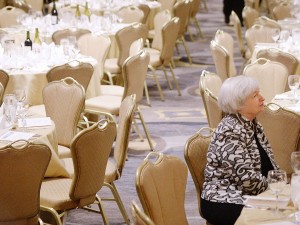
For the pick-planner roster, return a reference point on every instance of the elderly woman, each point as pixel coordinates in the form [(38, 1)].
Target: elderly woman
[(239, 156)]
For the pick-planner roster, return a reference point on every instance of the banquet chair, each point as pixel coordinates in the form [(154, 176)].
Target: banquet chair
[(181, 10), (90, 150), (167, 4), (36, 5), (258, 33), (4, 78), (134, 71), (124, 38), (23, 166), (267, 22), (23, 5), (222, 52), (65, 33), (209, 85), (79, 71), (9, 16), (146, 11), (161, 184), (254, 4), (160, 19), (138, 216), (161, 53), (195, 152), (96, 47), (282, 11), (130, 14), (282, 128), (272, 77), (193, 12), (64, 111), (249, 15)]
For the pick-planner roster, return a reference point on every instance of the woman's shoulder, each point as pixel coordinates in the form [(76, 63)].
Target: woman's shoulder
[(230, 122)]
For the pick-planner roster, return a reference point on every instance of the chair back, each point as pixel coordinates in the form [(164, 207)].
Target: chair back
[(126, 113), (134, 72), (210, 85), (61, 34), (146, 10), (282, 128), (22, 167), (181, 10), (20, 4), (167, 4), (275, 54), (161, 186), (90, 151), (194, 8), (282, 11), (169, 37), (258, 33), (65, 112), (160, 20), (4, 78), (254, 4), (249, 15), (96, 47), (9, 16), (138, 216), (131, 14), (267, 22), (126, 36), (238, 31), (272, 77), (79, 71), (36, 5), (195, 155)]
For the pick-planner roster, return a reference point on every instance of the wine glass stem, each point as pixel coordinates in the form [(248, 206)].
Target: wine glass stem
[(276, 204)]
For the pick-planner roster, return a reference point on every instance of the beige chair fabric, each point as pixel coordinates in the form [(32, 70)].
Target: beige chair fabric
[(193, 12), (138, 216), (9, 16), (161, 184), (222, 51), (258, 33), (167, 4), (249, 15), (181, 10), (282, 11), (124, 37), (96, 47), (4, 78), (272, 77), (79, 71), (36, 5), (23, 166), (116, 163), (282, 128), (195, 152), (254, 4), (131, 14), (60, 34), (210, 85), (134, 71), (65, 112), (267, 22), (90, 151), (146, 10), (161, 54)]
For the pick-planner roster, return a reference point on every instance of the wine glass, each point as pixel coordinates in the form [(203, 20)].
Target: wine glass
[(275, 34), (295, 194), (294, 82), (22, 111), (20, 95), (295, 161), (277, 180)]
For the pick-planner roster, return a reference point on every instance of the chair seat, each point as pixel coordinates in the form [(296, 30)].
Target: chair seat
[(110, 104), (110, 171), (111, 66), (64, 152), (154, 57), (115, 90), (55, 194)]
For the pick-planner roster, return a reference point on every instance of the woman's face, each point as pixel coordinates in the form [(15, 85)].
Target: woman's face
[(254, 104)]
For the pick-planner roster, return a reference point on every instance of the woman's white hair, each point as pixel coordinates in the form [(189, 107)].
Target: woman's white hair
[(234, 92)]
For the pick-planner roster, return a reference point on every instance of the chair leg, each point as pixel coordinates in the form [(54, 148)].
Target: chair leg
[(175, 80), (186, 50), (117, 199), (104, 217), (157, 83), (147, 93), (137, 129), (198, 27), (54, 213), (145, 128), (167, 78)]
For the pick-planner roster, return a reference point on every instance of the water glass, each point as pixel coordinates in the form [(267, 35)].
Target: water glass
[(294, 82), (65, 46), (10, 108)]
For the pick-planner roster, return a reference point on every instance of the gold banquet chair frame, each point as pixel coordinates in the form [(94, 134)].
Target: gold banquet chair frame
[(138, 216)]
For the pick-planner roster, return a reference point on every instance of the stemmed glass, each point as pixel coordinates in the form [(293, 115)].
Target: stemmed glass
[(294, 82), (275, 34), (295, 194), (22, 111), (295, 161), (277, 180)]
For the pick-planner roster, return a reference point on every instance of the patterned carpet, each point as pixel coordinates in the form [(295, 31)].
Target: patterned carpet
[(170, 123)]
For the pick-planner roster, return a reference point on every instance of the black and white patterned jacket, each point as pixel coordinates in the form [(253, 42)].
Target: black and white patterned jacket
[(234, 168)]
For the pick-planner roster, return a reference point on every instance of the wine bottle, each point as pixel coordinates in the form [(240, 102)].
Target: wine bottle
[(54, 14), (87, 11), (28, 42), (77, 13), (37, 39)]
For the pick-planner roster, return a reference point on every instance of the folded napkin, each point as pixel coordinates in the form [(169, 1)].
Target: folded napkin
[(266, 201), (16, 135), (35, 122), (285, 96)]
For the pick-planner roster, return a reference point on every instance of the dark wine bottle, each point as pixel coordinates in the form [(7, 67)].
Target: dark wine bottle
[(28, 42), (54, 14)]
